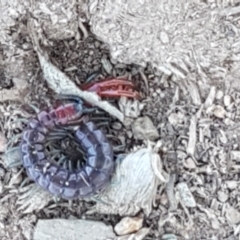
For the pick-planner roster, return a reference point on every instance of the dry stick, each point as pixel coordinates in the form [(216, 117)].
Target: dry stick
[(61, 84)]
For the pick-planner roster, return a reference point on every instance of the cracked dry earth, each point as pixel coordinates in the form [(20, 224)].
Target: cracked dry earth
[(199, 129)]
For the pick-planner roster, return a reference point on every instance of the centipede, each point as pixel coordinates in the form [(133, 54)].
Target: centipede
[(86, 181)]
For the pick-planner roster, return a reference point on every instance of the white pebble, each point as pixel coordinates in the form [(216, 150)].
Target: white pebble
[(189, 163), (219, 94), (227, 100), (222, 196), (128, 225), (219, 111)]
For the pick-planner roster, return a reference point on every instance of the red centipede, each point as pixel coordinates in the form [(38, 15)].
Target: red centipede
[(92, 177)]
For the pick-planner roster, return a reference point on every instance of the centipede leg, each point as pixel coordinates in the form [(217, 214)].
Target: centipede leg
[(61, 160)]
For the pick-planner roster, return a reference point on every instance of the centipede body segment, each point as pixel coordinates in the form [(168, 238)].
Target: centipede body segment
[(83, 182)]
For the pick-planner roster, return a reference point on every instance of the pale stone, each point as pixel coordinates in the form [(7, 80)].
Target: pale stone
[(128, 225), (219, 111), (227, 100), (143, 129), (233, 215)]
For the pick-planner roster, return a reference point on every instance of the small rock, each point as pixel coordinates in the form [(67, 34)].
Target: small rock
[(227, 100), (173, 119), (219, 111), (215, 223), (235, 155), (143, 129), (231, 184), (128, 225), (189, 163), (222, 196), (233, 215), (219, 94), (63, 229), (186, 195)]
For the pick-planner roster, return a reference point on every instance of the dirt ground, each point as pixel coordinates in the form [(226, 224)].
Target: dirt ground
[(197, 124)]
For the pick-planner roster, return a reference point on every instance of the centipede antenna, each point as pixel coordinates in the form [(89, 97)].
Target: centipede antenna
[(89, 110), (70, 98), (92, 76)]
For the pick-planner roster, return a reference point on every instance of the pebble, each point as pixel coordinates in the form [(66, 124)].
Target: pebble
[(222, 196), (227, 100), (143, 129), (219, 94), (233, 215), (219, 111), (189, 163), (128, 225), (235, 155)]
